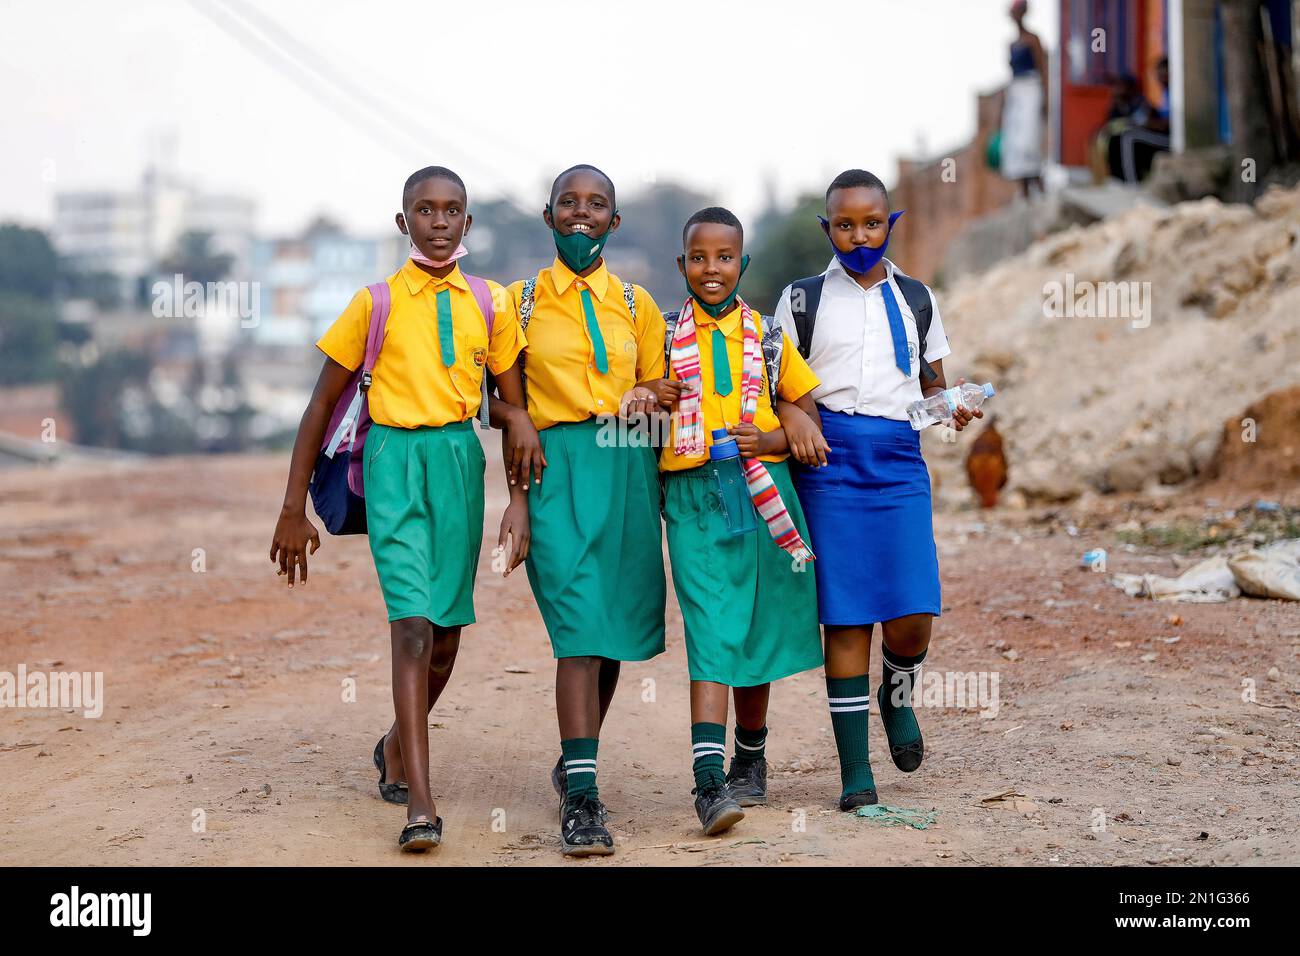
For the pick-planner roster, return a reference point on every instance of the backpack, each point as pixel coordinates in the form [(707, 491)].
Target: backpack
[(772, 340), (914, 291), (337, 482), (528, 299)]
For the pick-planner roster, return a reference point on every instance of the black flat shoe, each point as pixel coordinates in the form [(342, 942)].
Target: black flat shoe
[(582, 828), (747, 782), (863, 798), (420, 836), (909, 756), (391, 792), (717, 809), (906, 757)]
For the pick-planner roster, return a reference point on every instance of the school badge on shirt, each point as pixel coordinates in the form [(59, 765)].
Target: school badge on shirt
[(480, 357)]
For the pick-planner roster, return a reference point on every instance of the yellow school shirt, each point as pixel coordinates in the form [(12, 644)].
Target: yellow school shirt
[(563, 383), (410, 386), (721, 411)]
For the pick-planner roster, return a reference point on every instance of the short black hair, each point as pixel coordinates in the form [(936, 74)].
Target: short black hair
[(853, 178), (723, 217), (588, 168), (431, 172)]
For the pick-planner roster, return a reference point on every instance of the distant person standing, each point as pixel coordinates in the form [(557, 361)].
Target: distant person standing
[(1024, 106)]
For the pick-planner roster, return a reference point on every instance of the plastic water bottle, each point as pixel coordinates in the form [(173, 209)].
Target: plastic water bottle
[(942, 407), (733, 489)]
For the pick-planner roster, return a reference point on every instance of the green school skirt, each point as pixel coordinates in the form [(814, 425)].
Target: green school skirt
[(424, 514), (750, 617), (596, 561)]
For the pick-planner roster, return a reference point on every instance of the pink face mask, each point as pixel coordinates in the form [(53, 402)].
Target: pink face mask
[(422, 259)]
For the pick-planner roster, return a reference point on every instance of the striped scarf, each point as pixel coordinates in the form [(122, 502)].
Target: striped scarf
[(685, 361)]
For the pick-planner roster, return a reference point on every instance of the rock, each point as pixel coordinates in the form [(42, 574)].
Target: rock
[(1174, 761), (1274, 673), (1130, 470)]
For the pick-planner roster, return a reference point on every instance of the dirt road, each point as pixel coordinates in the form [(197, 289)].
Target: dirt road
[(226, 738)]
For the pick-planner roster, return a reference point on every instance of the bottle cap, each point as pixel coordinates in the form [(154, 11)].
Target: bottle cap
[(989, 391), (724, 446)]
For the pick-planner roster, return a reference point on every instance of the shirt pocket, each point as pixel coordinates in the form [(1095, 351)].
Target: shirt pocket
[(471, 356), (620, 347)]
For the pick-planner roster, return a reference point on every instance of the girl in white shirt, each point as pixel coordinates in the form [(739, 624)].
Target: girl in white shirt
[(866, 492)]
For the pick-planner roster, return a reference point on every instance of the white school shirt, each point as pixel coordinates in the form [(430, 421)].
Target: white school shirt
[(852, 349)]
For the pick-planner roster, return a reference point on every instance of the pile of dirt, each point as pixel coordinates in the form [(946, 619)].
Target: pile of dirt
[(1261, 447), (1120, 349)]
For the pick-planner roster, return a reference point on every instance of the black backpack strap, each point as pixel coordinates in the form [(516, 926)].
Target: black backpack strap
[(773, 340), (670, 329), (805, 294), (918, 299)]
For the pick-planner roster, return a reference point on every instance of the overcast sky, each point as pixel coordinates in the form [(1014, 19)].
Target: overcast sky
[(310, 106)]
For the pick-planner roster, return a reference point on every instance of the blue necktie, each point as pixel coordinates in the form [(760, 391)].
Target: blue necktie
[(896, 330)]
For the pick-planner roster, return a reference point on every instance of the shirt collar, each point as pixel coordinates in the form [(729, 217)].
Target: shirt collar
[(562, 277), (837, 267), (417, 278), (727, 323)]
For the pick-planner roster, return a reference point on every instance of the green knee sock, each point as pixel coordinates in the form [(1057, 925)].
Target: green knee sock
[(850, 703), (579, 754), (899, 675), (750, 744), (709, 745)]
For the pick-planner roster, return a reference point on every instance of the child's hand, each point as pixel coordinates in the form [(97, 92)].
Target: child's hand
[(293, 533), (751, 441), (515, 527), (807, 444), (523, 452), (667, 392), (963, 416), (638, 400)]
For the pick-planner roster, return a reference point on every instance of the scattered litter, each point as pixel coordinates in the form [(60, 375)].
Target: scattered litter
[(1095, 560), (1267, 506), (898, 816), (517, 669), (1010, 800)]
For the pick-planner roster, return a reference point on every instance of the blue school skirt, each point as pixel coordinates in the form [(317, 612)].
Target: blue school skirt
[(870, 517)]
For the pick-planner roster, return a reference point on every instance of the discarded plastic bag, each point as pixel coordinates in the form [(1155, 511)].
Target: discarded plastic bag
[(1210, 581), (898, 816), (1272, 572)]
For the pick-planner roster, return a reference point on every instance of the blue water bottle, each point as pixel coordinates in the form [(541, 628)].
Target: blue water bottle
[(733, 489)]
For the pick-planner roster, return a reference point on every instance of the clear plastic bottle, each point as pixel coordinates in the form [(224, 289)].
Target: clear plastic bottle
[(941, 407)]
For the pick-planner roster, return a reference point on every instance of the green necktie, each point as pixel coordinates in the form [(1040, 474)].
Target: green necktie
[(721, 365), (446, 338), (593, 327)]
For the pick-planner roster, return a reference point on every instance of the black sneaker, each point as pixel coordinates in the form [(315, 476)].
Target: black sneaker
[(560, 781), (582, 832), (747, 781), (717, 809), (863, 798)]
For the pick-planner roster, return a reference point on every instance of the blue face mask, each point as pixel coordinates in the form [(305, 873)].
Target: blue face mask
[(863, 258)]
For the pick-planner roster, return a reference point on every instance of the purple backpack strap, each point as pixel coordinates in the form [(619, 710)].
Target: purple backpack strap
[(483, 296), (383, 303)]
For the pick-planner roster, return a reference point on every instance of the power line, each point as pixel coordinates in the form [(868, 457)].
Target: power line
[(396, 137)]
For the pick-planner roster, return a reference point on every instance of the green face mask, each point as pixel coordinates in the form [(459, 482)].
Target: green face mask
[(722, 307), (578, 250)]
